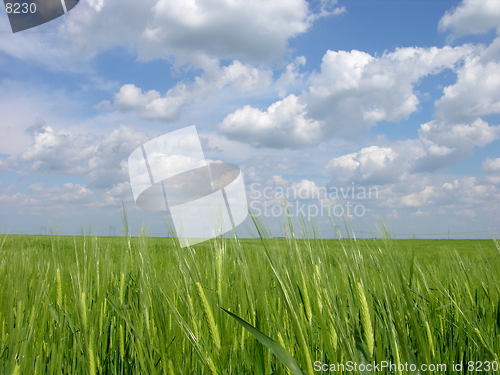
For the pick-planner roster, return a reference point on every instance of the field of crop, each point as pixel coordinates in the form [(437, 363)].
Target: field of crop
[(94, 305)]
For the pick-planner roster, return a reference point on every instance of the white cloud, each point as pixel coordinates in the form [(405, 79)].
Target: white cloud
[(101, 160), (278, 180), (107, 166), (152, 106), (353, 92), (491, 170), (394, 215), (448, 143), (259, 168), (349, 94), (462, 136), (406, 189), (470, 192), (374, 164), (38, 197), (291, 77), (191, 32), (92, 27), (255, 30), (267, 163), (475, 93), (466, 212), (282, 125), (52, 151), (438, 145), (217, 146), (122, 192), (472, 17), (465, 195), (419, 199), (33, 47), (491, 165), (305, 189), (23, 104), (420, 213)]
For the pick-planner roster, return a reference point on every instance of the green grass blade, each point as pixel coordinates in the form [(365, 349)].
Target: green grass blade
[(273, 346)]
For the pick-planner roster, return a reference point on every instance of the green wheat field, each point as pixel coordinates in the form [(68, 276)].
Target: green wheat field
[(139, 305)]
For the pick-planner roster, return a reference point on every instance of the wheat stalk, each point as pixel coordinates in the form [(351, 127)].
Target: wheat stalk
[(121, 339), (207, 312), (59, 288), (429, 337), (92, 367), (366, 321)]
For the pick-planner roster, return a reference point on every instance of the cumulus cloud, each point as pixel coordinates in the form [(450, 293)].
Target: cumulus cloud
[(470, 191), (190, 32), (420, 213), (446, 143), (466, 212), (394, 215), (101, 160), (438, 145), (419, 199), (305, 189), (352, 92), (37, 197), (93, 27), (470, 196), (465, 196), (291, 77), (283, 125), (413, 195), (52, 151), (355, 90), (472, 17), (491, 165), (479, 133), (268, 163), (152, 106), (108, 166), (22, 104), (122, 192), (475, 93), (277, 190), (491, 170), (370, 165), (255, 30)]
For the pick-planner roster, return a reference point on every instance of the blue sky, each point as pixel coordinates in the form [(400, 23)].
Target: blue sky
[(398, 96)]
